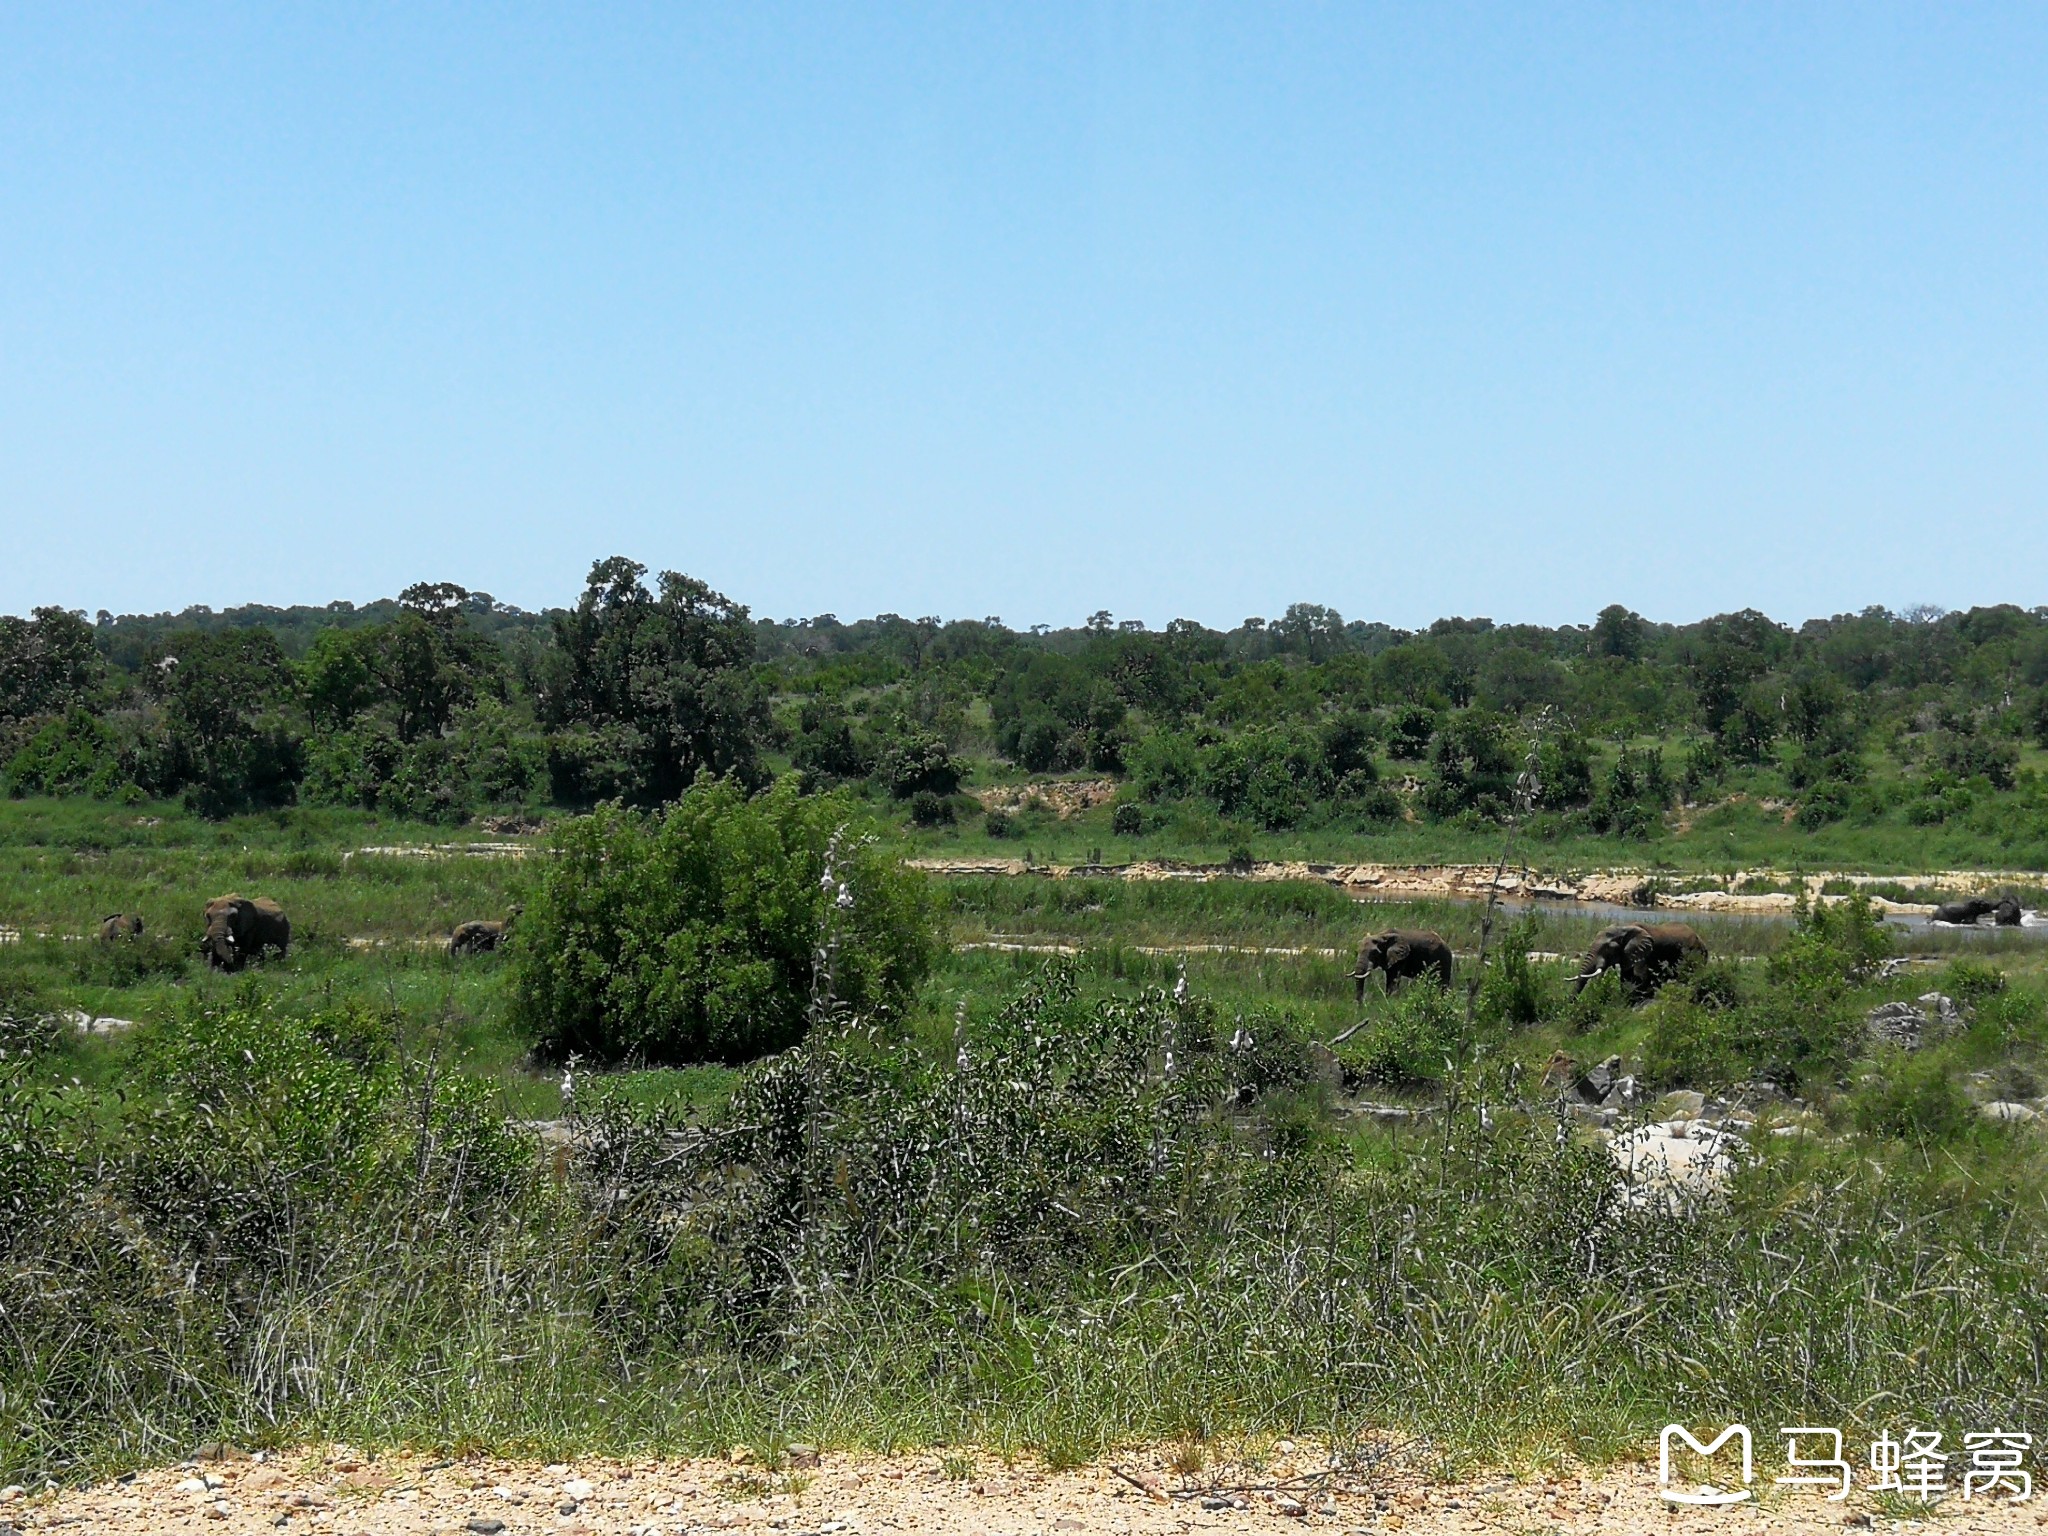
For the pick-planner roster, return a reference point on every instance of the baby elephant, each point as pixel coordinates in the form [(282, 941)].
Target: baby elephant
[(1403, 954), (475, 937), (120, 925)]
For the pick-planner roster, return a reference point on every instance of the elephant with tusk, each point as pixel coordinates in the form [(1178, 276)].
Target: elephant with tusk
[(241, 928), (1647, 954), (1403, 955)]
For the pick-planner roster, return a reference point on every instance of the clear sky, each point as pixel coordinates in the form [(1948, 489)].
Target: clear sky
[(1029, 310)]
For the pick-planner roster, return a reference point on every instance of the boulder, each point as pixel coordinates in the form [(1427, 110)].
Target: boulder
[(1675, 1165), (1912, 1025), (2008, 1111)]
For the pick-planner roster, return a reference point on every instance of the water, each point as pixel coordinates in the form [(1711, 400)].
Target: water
[(2033, 925)]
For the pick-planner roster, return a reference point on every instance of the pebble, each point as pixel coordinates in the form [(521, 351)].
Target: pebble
[(484, 1526)]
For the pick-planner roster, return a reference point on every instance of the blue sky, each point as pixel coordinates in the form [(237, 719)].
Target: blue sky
[(1029, 310)]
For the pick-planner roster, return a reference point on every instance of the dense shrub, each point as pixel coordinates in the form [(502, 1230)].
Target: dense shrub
[(1420, 1038), (693, 935), (75, 754), (1910, 1096), (1516, 990)]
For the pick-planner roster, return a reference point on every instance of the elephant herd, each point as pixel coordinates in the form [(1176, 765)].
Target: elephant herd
[(239, 929), (1646, 954), (2004, 912)]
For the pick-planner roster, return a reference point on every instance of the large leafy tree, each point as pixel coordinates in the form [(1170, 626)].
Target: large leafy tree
[(47, 664), (663, 678), (223, 696)]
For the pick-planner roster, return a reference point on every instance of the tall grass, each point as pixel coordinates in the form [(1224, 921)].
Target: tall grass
[(294, 1227)]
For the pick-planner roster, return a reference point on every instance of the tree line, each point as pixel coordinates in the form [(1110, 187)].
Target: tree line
[(443, 702)]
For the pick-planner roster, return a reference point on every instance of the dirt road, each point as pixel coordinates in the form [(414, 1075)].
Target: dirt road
[(336, 1490)]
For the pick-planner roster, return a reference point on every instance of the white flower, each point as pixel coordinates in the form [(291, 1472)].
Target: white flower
[(845, 898)]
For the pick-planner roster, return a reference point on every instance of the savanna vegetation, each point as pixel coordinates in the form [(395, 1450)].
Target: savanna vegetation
[(751, 1134), (1879, 740)]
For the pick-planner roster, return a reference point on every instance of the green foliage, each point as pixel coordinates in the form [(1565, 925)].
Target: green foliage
[(659, 682), (48, 665), (918, 762), (75, 754), (485, 760), (1267, 776), (1127, 820), (1833, 945), (1419, 1039), (1911, 1096), (1410, 729), (1472, 768), (695, 935), (225, 743), (1969, 980), (1594, 1004), (1516, 991)]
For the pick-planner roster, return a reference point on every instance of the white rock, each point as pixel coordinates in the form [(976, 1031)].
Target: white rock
[(2005, 1109), (192, 1485), (578, 1488), (12, 1492), (1674, 1171)]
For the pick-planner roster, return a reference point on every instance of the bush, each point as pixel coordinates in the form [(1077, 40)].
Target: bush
[(1419, 1040), (1127, 820), (931, 809), (77, 754), (1687, 1046), (1595, 1002), (1912, 1097), (1971, 981), (692, 936), (918, 762), (1515, 990), (1409, 730), (998, 822)]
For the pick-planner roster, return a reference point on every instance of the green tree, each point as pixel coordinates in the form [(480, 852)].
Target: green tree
[(696, 934), (665, 676), (47, 664), (223, 697)]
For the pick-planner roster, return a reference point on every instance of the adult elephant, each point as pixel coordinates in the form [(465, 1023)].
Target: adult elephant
[(1647, 954), (2007, 913), (476, 937), (120, 925), (241, 928), (1403, 954), (1972, 908)]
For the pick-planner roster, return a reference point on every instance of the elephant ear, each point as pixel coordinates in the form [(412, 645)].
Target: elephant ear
[(1639, 947), (1397, 952)]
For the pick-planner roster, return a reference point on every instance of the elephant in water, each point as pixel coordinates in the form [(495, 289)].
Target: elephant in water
[(1403, 954), (476, 937), (120, 925), (2007, 913), (1972, 908), (1648, 955), (241, 928)]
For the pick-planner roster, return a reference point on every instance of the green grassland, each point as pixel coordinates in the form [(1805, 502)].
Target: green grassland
[(1004, 1228)]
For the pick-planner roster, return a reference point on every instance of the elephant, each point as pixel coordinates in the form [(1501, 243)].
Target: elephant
[(476, 937), (2007, 913), (120, 925), (1974, 907), (1403, 954), (1648, 954), (239, 928)]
